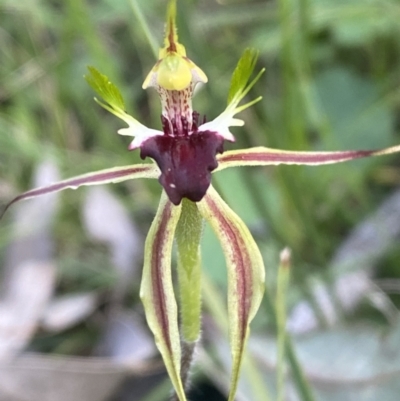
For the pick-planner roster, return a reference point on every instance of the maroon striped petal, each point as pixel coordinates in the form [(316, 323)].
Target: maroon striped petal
[(245, 273), (157, 291), (261, 156), (112, 175)]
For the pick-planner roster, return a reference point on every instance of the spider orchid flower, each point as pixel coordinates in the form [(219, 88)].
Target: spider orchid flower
[(184, 154)]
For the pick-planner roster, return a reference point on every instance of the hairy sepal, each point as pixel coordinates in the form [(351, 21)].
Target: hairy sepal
[(246, 274), (157, 291), (261, 156), (107, 176)]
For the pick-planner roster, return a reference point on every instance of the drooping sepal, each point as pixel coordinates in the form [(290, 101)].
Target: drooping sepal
[(261, 156), (107, 176), (186, 163), (246, 274), (157, 291)]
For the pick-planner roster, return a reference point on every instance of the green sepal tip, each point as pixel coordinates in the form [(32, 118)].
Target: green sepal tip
[(241, 75), (105, 88)]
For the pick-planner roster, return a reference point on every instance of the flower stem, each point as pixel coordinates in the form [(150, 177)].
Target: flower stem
[(283, 278), (188, 349), (299, 378), (188, 235)]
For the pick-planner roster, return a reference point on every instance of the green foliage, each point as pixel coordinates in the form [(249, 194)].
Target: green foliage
[(242, 74), (105, 88)]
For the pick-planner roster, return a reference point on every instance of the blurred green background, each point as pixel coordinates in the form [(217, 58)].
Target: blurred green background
[(331, 83)]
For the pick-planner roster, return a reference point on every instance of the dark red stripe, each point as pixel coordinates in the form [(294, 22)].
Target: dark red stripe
[(295, 158), (157, 252), (74, 183), (244, 282)]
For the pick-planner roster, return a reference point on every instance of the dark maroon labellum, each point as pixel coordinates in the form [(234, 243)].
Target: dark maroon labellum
[(185, 162)]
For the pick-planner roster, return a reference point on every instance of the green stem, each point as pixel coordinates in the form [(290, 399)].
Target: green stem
[(145, 27), (187, 349), (214, 303), (298, 376), (283, 279), (302, 385), (294, 18), (188, 235)]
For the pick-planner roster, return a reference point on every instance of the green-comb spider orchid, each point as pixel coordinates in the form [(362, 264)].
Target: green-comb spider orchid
[(185, 153)]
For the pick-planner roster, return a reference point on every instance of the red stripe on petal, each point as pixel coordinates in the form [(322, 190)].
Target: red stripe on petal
[(245, 273), (117, 174), (269, 157), (243, 282), (157, 292), (157, 273), (261, 156)]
